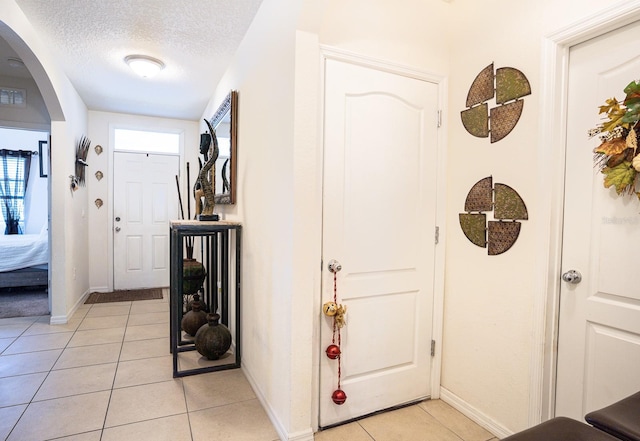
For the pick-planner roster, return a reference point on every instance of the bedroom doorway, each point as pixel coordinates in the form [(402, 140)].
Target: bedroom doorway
[(24, 257)]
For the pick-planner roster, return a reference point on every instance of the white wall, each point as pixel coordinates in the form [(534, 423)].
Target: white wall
[(411, 33), (489, 317), (263, 74), (34, 115), (100, 132), (37, 197)]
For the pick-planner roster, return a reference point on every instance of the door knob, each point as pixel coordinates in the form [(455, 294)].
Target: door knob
[(117, 229), (118, 219), (572, 276), (334, 266)]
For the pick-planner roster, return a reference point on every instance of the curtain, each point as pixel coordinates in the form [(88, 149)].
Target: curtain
[(14, 175)]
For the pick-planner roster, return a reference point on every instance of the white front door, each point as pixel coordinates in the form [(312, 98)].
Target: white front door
[(145, 200), (379, 211), (599, 327)]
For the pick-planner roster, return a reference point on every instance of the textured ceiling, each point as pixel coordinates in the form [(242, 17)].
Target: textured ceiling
[(196, 40)]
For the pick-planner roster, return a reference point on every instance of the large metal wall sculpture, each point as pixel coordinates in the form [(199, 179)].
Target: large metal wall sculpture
[(507, 206), (510, 85)]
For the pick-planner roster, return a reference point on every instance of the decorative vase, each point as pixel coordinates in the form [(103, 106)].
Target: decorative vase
[(193, 275), (194, 319), (196, 298), (213, 340)]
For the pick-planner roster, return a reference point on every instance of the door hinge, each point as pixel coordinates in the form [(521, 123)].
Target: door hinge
[(439, 118), (437, 236), (433, 348)]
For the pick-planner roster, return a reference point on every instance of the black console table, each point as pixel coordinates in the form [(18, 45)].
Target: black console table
[(217, 245)]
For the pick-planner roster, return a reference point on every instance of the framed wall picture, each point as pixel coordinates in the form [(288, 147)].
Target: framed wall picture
[(43, 153)]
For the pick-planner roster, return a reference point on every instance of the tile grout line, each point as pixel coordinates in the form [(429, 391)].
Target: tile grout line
[(448, 427), (62, 350), (46, 376), (115, 374), (20, 335)]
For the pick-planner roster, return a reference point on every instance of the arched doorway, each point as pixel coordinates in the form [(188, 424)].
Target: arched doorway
[(11, 29)]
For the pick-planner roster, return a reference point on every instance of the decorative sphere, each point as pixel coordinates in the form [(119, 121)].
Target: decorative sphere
[(193, 275), (339, 397), (330, 309), (333, 351), (193, 320), (196, 298), (213, 339)]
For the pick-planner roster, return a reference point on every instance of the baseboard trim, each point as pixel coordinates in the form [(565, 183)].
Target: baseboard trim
[(58, 320), (305, 435), (64, 319), (474, 414)]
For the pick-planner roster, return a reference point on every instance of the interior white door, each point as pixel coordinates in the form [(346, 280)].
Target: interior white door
[(599, 328), (379, 211), (145, 200)]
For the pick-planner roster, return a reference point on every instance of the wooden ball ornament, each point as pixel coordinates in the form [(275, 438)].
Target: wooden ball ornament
[(339, 397), (333, 351)]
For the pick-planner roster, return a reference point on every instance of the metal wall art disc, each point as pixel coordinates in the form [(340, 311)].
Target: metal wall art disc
[(98, 203), (99, 175), (507, 206), (499, 121), (98, 149)]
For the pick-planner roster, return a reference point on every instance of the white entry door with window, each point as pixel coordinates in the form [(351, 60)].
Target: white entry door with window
[(145, 200), (599, 324), (379, 212)]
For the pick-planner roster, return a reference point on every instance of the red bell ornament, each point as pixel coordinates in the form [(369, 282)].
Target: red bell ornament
[(339, 397), (333, 351)]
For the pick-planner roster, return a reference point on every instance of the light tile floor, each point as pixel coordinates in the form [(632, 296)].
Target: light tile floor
[(107, 376)]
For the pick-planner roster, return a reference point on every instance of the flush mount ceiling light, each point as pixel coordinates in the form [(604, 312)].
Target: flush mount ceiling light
[(143, 65)]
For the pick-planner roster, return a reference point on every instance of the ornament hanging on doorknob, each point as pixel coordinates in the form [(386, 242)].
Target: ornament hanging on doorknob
[(329, 309), (336, 312), (333, 351), (332, 309), (339, 397)]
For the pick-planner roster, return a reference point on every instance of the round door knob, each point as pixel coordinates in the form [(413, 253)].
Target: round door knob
[(117, 229), (572, 276), (334, 266)]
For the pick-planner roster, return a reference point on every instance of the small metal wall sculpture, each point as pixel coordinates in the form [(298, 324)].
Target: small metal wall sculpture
[(507, 206), (98, 203), (98, 149), (510, 85), (99, 175)]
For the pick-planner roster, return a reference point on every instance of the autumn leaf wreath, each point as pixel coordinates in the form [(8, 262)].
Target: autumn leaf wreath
[(618, 157)]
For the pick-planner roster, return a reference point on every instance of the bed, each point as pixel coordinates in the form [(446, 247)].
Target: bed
[(24, 259)]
